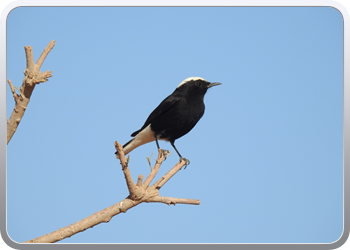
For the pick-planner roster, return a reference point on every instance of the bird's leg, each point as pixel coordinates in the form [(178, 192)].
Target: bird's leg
[(164, 152), (155, 138), (181, 158)]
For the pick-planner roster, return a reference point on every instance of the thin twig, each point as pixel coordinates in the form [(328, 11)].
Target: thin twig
[(149, 161), (15, 96), (161, 157), (44, 54)]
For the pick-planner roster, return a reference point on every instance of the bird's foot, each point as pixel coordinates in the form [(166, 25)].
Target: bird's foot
[(165, 153), (187, 161)]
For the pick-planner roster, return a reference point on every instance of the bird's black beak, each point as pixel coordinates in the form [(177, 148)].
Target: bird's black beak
[(212, 84)]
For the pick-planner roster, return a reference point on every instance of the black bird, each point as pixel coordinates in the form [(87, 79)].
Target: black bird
[(175, 116)]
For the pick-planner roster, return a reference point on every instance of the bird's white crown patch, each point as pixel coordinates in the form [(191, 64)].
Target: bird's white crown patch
[(191, 79)]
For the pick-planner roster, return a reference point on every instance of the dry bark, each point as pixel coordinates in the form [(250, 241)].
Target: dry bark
[(32, 77), (138, 193)]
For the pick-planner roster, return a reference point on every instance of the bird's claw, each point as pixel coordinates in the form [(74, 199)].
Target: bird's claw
[(187, 161), (165, 153)]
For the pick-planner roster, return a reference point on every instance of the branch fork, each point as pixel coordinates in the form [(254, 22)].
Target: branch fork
[(142, 192), (138, 192), (32, 76)]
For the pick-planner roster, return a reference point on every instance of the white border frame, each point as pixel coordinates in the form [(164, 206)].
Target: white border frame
[(224, 3)]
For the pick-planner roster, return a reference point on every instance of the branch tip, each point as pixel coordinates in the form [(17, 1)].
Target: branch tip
[(139, 180), (15, 95)]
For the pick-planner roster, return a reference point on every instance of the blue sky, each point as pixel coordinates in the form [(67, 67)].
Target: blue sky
[(266, 158)]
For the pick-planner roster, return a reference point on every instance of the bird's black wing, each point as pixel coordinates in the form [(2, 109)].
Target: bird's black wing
[(162, 108)]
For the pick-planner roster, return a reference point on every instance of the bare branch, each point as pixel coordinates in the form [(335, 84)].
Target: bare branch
[(139, 193), (161, 157), (139, 180), (173, 201), (169, 174), (15, 96), (134, 190), (32, 77), (149, 161), (45, 53), (29, 57), (104, 215)]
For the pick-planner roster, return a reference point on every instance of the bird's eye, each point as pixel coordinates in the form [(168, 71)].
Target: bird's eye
[(199, 84)]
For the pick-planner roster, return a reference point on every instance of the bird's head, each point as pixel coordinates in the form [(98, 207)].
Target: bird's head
[(196, 85)]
